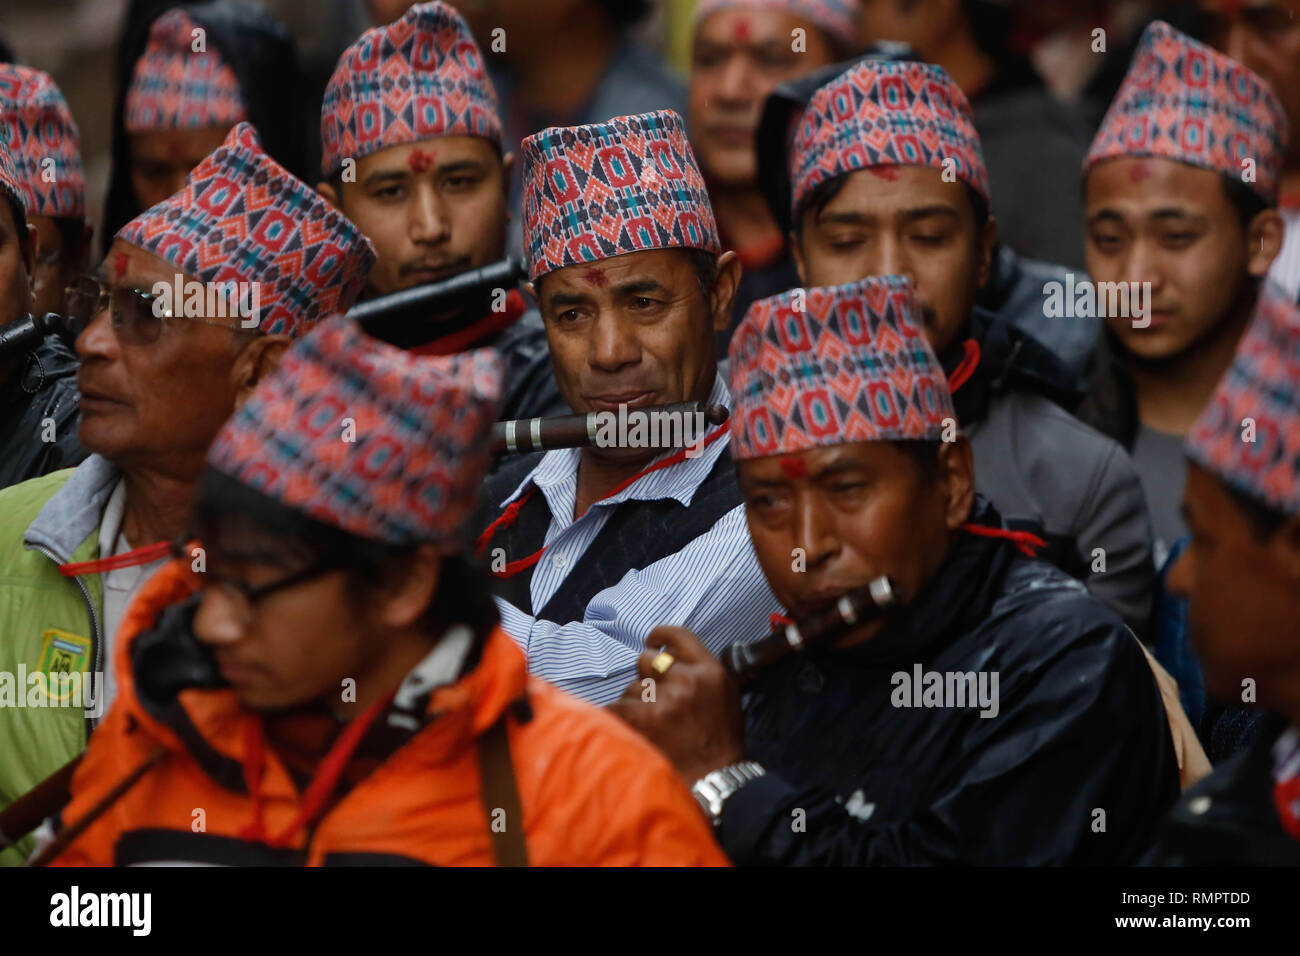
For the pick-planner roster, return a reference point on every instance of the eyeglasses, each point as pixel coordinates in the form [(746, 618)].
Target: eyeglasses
[(243, 597), (137, 317)]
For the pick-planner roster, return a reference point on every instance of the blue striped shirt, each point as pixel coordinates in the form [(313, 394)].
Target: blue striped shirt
[(713, 586)]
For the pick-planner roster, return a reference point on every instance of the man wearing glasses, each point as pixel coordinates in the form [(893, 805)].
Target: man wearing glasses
[(42, 232), (157, 380)]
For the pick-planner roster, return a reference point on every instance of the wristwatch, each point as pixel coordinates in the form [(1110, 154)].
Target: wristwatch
[(713, 789)]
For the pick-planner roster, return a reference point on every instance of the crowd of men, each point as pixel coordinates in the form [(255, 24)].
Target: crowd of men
[(268, 585)]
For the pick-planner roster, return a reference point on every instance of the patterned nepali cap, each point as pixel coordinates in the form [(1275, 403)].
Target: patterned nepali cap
[(243, 217), (366, 437), (41, 128), (834, 365), (837, 18), (1263, 385), (1184, 100), (10, 183), (598, 191), (175, 86), (882, 113), (416, 78)]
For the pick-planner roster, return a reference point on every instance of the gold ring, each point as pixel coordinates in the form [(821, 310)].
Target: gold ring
[(663, 660)]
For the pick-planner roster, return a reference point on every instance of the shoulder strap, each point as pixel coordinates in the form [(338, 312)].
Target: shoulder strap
[(500, 793)]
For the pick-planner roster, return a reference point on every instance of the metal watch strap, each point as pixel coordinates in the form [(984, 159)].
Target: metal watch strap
[(713, 789)]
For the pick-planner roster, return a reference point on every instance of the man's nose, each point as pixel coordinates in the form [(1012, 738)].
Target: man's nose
[(428, 219), (97, 340), (815, 529), (613, 346), (217, 621)]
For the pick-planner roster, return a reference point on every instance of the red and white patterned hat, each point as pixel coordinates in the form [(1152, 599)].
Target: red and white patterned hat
[(606, 189), (416, 78), (44, 142), (1249, 433), (832, 366), (243, 217), (377, 441), (886, 113), (181, 81), (1185, 101)]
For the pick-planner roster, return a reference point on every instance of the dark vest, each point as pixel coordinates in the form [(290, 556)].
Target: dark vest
[(635, 536)]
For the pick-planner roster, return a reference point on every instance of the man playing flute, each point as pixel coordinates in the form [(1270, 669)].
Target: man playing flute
[(1003, 716), (592, 548)]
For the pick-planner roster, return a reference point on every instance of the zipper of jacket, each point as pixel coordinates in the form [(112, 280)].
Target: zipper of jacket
[(96, 639)]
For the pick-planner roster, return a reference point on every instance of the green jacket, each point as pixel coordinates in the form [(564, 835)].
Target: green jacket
[(49, 624)]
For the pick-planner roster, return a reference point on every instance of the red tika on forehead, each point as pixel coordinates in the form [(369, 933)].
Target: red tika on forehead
[(595, 277), (1139, 171), (741, 31), (420, 161), (793, 467), (120, 263), (889, 173)]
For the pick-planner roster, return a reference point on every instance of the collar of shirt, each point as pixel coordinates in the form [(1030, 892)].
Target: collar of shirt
[(556, 475)]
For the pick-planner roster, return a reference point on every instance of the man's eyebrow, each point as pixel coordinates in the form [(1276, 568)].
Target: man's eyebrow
[(1106, 215), (1173, 212), (386, 176), (847, 218), (462, 165), (634, 286), (565, 298), (923, 212), (836, 467)]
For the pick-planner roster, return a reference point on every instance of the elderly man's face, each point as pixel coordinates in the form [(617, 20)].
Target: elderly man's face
[(1244, 594), (827, 520), (161, 160), (160, 403), (739, 57), (635, 329)]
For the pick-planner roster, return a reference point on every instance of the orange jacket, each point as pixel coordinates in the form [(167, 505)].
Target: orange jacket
[(592, 791)]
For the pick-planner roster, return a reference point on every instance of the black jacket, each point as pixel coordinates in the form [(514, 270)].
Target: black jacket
[(265, 61), (44, 388), (1229, 818), (1080, 731)]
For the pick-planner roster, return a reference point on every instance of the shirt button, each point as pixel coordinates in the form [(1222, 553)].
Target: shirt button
[(560, 561), (1198, 805)]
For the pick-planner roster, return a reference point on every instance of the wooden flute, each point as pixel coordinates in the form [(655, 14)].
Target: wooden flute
[(674, 425), (856, 607)]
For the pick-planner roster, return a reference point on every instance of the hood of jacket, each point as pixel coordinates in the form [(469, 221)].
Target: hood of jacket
[(44, 389)]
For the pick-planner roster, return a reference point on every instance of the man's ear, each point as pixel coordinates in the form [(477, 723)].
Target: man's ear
[(507, 164), (407, 596), (797, 252), (724, 289), (988, 240), (255, 361), (326, 190), (957, 476), (531, 289), (1263, 241)]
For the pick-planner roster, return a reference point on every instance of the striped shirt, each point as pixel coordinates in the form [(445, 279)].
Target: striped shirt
[(713, 586)]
